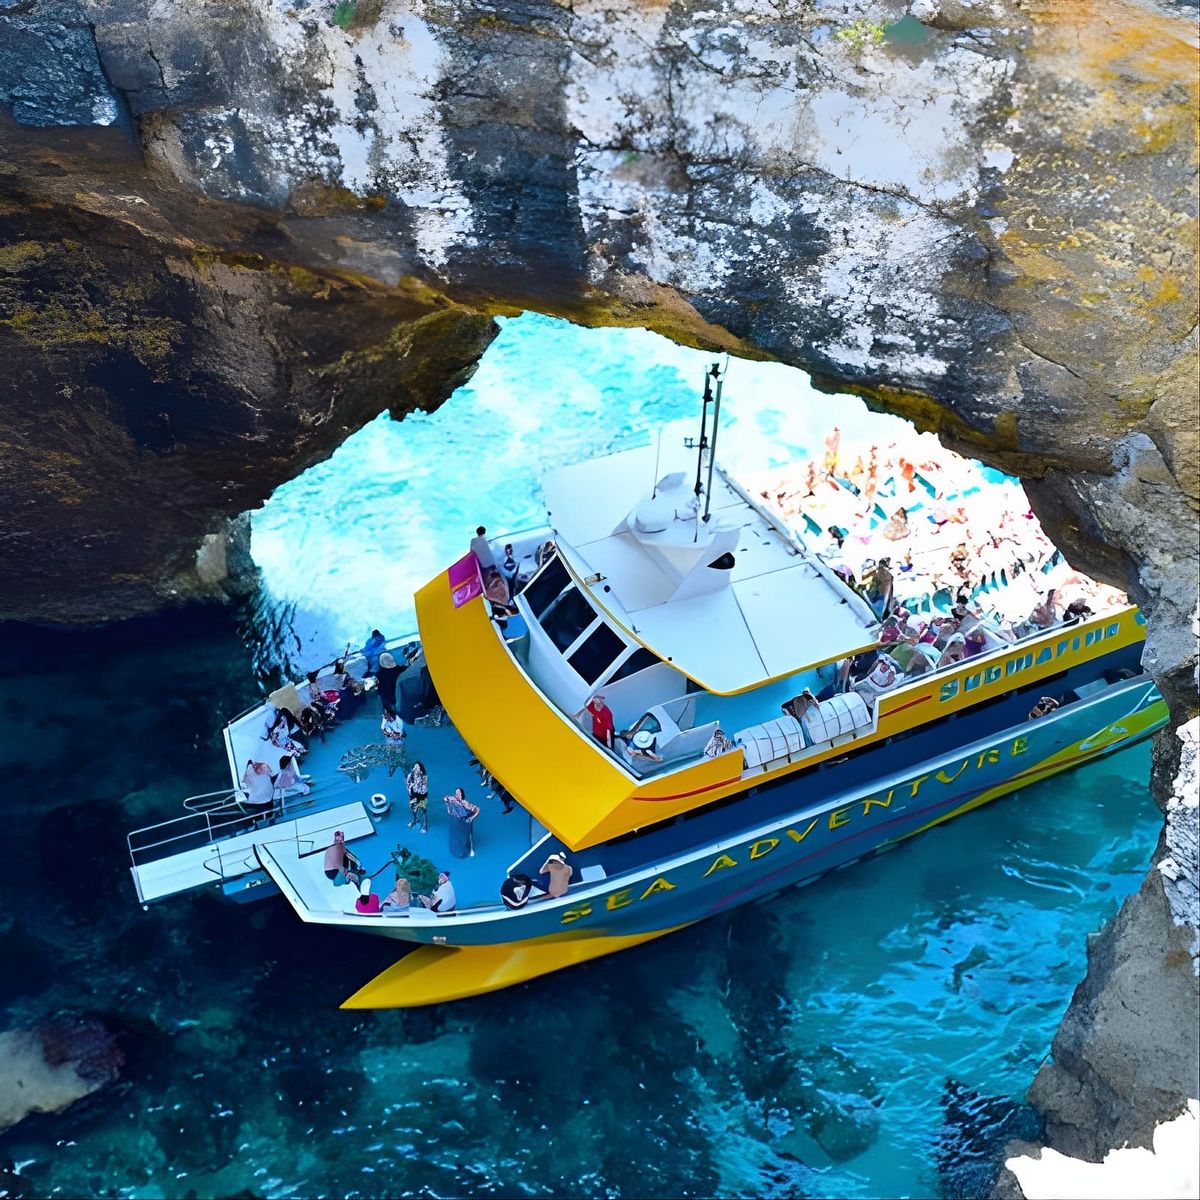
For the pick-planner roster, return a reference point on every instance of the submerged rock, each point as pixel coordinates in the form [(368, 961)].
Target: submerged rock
[(49, 1066), (969, 1152)]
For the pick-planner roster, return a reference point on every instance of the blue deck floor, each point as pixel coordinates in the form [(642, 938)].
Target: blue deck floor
[(500, 838)]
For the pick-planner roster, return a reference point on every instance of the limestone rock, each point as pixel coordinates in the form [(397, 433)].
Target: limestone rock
[(231, 234), (49, 1066)]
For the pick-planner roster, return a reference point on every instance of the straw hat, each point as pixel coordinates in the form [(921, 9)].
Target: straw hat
[(386, 660), (643, 739)]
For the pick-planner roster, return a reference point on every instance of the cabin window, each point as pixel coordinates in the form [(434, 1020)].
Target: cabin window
[(567, 618), (546, 586), (598, 651), (639, 660)]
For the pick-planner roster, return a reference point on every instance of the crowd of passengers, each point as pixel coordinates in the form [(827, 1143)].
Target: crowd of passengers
[(414, 876), (330, 696)]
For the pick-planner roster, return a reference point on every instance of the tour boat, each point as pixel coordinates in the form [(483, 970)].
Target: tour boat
[(670, 588)]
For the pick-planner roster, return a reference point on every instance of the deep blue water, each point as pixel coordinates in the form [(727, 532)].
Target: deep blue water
[(870, 1035)]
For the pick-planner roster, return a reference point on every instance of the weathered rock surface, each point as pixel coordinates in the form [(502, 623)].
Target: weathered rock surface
[(46, 1068), (232, 233)]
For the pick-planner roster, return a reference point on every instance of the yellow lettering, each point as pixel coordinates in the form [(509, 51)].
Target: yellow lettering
[(659, 885), (573, 914), (619, 899), (720, 863), (991, 756), (942, 777), (1020, 745), (870, 801), (799, 837), (768, 845), (839, 817), (916, 784)]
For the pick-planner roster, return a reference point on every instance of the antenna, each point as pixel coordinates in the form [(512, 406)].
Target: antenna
[(709, 376), (657, 456), (712, 458)]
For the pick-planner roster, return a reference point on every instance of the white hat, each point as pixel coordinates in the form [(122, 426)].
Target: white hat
[(386, 660), (643, 739)]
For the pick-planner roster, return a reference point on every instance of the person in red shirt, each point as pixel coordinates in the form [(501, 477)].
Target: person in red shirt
[(602, 719)]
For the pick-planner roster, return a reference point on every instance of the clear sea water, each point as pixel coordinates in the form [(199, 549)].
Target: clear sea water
[(870, 1035)]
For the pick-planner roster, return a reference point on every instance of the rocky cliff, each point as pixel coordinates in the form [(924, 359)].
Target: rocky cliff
[(233, 232)]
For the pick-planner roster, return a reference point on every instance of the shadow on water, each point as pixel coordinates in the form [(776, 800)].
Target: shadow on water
[(801, 1046)]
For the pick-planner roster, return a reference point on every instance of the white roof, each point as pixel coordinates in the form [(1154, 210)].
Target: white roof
[(777, 611)]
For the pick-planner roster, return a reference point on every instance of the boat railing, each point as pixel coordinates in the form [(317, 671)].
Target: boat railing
[(351, 656), (1005, 647), (203, 827)]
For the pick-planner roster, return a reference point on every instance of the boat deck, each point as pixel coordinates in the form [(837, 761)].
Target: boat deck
[(500, 838)]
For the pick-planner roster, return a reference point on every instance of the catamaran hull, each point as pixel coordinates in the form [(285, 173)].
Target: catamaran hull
[(634, 907)]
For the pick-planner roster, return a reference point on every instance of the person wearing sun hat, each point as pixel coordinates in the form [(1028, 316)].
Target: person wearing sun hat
[(642, 745), (386, 678), (559, 872)]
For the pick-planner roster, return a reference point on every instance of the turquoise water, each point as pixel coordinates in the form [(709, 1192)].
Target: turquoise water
[(343, 546), (870, 1035)]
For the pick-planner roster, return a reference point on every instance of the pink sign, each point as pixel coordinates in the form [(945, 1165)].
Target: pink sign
[(465, 580)]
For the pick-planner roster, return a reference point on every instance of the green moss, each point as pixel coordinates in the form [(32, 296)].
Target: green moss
[(20, 255)]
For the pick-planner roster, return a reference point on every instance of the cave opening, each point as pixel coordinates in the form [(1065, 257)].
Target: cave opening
[(342, 546)]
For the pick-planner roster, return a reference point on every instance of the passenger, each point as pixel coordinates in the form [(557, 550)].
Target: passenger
[(955, 650), (837, 535), (309, 691), (602, 719), (880, 586), (392, 726), (896, 530), (310, 723), (717, 745), (258, 785), (289, 779), (1044, 706), (387, 675), (975, 642), (906, 563), (510, 568), (367, 901), (350, 690), (340, 864), (462, 814), (643, 746), (890, 631), (417, 783), (833, 441), (504, 796), (1045, 614), (961, 609), (881, 678), (443, 899), (482, 550), (279, 737), (399, 899), (516, 890), (373, 647), (797, 706), (1076, 611), (560, 872)]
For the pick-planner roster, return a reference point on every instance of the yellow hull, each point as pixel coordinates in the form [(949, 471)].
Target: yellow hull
[(436, 974)]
